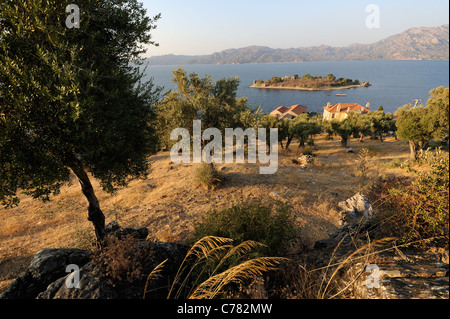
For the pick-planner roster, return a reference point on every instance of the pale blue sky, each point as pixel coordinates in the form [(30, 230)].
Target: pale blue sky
[(207, 26)]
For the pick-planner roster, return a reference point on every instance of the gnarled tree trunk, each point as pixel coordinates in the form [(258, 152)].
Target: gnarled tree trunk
[(413, 150), (95, 214)]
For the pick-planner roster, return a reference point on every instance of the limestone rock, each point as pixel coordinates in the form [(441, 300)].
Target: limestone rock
[(306, 159), (94, 284), (356, 209), (47, 266), (275, 194), (46, 276), (403, 280)]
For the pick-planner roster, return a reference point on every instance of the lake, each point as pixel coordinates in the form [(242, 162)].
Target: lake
[(394, 83)]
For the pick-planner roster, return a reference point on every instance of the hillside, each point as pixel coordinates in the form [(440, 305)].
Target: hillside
[(169, 204), (424, 43)]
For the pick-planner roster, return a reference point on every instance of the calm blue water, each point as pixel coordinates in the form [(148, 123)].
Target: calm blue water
[(394, 83)]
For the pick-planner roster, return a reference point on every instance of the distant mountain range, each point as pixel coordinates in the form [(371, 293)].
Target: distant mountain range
[(424, 43)]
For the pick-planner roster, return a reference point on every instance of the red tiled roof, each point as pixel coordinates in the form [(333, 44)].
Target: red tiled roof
[(281, 109), (298, 109), (346, 107)]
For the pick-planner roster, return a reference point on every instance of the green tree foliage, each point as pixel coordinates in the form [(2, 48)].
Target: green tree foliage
[(418, 125), (412, 127), (71, 100), (380, 122), (276, 79), (268, 121), (342, 128), (438, 108), (215, 104), (326, 126), (304, 127), (270, 224), (360, 124)]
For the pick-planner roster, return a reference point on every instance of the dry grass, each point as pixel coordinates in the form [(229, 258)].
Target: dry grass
[(217, 251), (169, 203)]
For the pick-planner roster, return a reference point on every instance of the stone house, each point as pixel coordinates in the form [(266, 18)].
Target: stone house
[(340, 111)]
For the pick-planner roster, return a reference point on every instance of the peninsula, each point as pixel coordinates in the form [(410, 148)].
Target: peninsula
[(309, 83)]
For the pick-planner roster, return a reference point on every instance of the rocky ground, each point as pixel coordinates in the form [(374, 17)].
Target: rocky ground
[(168, 204), (359, 269)]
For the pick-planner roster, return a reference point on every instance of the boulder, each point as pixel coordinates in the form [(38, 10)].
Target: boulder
[(356, 209), (397, 280), (399, 273), (355, 214), (46, 266), (46, 276), (306, 159), (275, 194), (114, 229), (95, 284)]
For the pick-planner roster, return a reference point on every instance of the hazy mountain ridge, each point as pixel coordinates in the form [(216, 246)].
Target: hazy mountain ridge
[(424, 43)]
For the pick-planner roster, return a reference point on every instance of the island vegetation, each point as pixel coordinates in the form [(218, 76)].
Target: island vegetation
[(309, 82)]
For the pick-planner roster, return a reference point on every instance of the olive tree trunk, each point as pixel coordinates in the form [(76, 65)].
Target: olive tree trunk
[(95, 214), (413, 150)]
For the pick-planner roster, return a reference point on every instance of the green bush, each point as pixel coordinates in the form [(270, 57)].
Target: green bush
[(270, 224), (308, 151), (276, 79)]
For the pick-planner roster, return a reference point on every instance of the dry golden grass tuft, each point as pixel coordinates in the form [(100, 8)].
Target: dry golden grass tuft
[(209, 254), (169, 203)]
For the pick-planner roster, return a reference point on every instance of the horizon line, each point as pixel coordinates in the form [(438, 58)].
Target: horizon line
[(288, 48)]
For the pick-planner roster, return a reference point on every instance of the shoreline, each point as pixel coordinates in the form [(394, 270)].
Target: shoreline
[(271, 87)]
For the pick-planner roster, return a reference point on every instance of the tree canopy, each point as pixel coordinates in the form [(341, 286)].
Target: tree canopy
[(72, 100), (418, 125), (215, 104)]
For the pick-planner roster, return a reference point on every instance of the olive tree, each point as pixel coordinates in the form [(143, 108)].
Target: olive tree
[(214, 103), (73, 100), (418, 125)]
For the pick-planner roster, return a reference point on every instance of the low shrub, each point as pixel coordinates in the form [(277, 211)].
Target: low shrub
[(207, 176), (363, 167), (270, 224), (122, 259), (308, 151), (394, 163), (418, 209)]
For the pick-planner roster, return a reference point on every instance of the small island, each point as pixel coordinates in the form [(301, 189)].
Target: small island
[(309, 83)]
